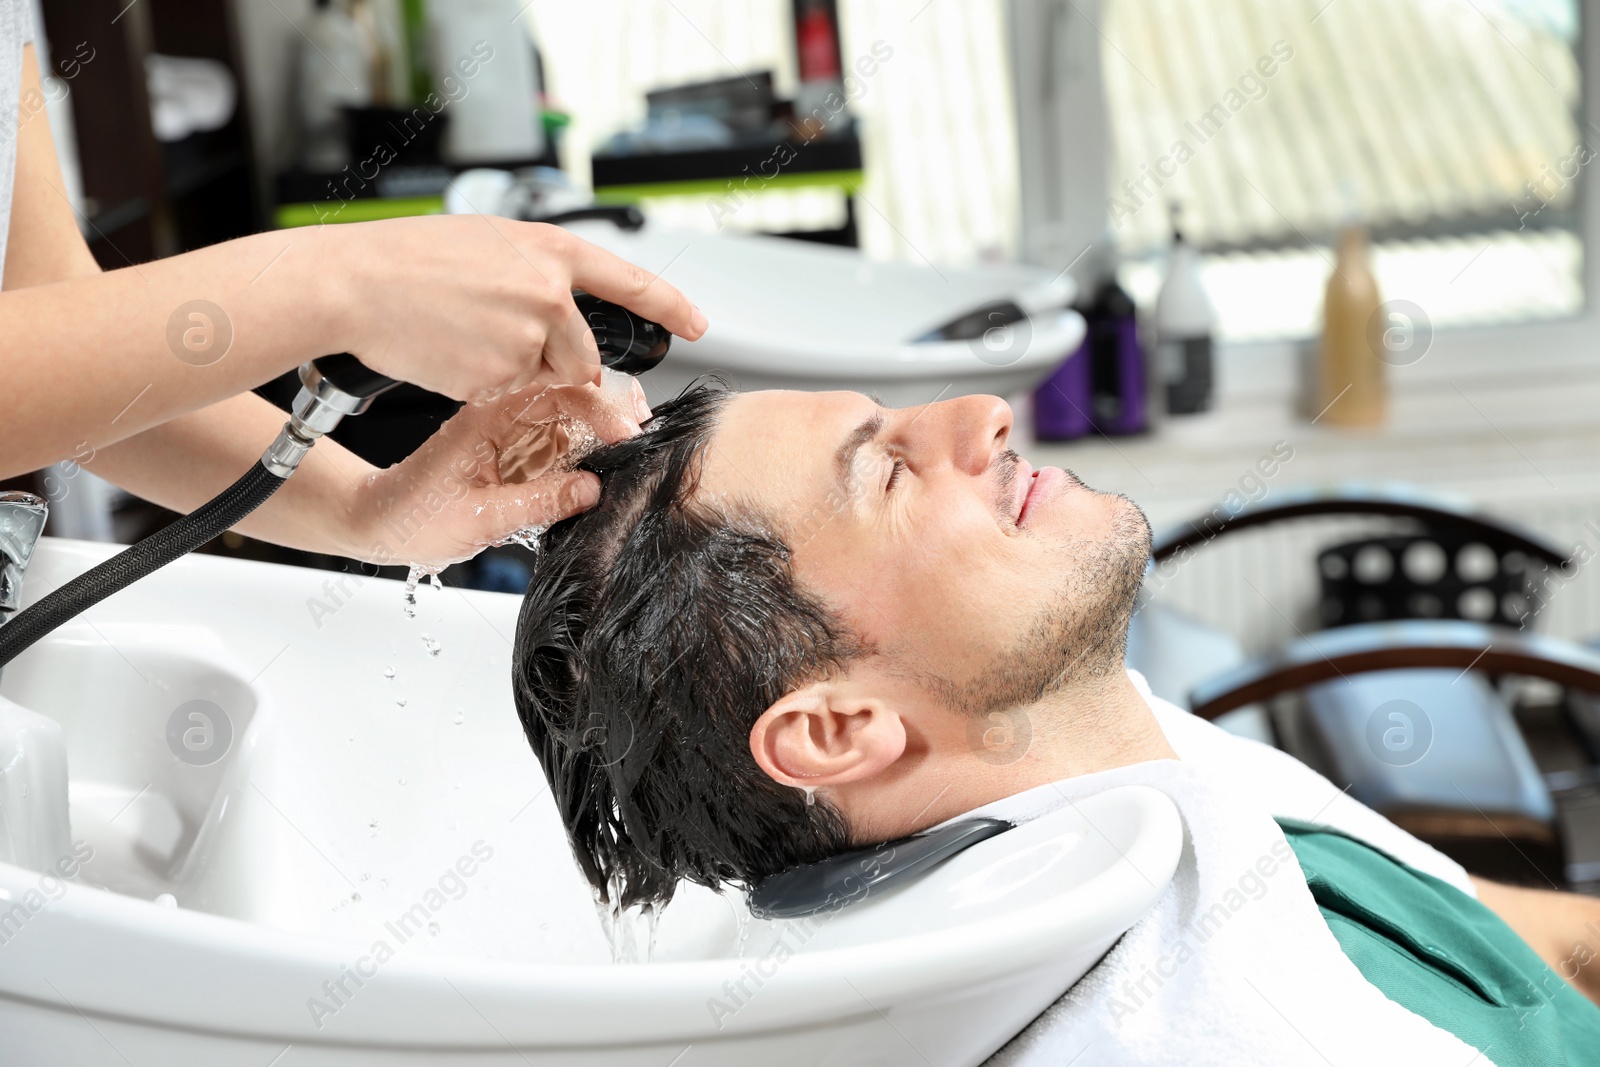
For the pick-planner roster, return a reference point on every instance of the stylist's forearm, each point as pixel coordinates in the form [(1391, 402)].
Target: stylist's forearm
[(473, 307), (68, 328), (187, 461)]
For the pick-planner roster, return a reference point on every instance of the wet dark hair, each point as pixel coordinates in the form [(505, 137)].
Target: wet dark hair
[(655, 631)]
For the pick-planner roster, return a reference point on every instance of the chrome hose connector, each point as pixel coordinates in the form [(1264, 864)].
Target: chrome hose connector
[(288, 448), (318, 408)]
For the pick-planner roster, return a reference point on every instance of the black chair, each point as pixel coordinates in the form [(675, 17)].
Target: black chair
[(1395, 694)]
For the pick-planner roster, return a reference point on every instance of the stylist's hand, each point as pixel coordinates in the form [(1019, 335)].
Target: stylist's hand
[(477, 480), (476, 306)]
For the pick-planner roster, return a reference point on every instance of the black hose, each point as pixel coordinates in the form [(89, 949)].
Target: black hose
[(154, 552)]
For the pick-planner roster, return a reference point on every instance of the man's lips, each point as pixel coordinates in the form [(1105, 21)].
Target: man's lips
[(1037, 487), (1021, 485)]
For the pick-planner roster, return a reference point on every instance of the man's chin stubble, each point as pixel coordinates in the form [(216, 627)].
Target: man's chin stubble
[(1080, 635)]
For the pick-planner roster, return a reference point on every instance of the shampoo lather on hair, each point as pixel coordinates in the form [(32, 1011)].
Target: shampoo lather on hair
[(1183, 327)]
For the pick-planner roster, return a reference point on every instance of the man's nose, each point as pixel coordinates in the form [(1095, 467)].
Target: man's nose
[(971, 429)]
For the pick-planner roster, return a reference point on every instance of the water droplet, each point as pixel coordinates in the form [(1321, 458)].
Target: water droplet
[(527, 537), (402, 781), (459, 718), (652, 918), (418, 573), (742, 917), (811, 795), (431, 645), (355, 898), (388, 672), (400, 701), (166, 900), (433, 929)]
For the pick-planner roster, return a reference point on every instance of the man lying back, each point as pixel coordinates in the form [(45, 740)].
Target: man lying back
[(783, 632)]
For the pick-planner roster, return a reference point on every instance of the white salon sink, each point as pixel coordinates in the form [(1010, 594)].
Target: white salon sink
[(331, 793), (788, 314), (235, 745)]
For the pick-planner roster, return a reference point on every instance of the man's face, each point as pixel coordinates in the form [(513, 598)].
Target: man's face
[(974, 578)]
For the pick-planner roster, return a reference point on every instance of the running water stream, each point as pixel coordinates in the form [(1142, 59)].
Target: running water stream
[(554, 446), (630, 931)]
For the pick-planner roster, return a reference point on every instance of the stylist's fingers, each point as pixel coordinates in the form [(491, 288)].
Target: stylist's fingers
[(641, 403), (614, 409), (504, 509), (570, 351), (611, 410), (597, 271)]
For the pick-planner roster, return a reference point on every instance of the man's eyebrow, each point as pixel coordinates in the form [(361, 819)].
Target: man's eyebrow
[(844, 459)]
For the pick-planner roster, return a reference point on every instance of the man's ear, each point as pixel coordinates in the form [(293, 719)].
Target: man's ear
[(824, 735)]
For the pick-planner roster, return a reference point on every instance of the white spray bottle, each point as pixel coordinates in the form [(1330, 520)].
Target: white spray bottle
[(1183, 328)]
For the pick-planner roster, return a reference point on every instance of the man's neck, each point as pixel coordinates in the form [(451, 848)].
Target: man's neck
[(1095, 725)]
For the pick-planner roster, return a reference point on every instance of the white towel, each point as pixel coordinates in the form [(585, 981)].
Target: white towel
[(1235, 965)]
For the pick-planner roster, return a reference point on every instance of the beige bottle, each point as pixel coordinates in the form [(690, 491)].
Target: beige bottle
[(1351, 386)]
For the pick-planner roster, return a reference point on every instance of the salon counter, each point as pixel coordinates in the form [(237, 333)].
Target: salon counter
[(1519, 442)]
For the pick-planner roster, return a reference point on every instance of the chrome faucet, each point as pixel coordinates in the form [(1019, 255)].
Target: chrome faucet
[(22, 518)]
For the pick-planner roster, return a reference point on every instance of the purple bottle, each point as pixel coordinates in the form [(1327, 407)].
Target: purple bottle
[(1116, 362), (1101, 387), (1063, 404)]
